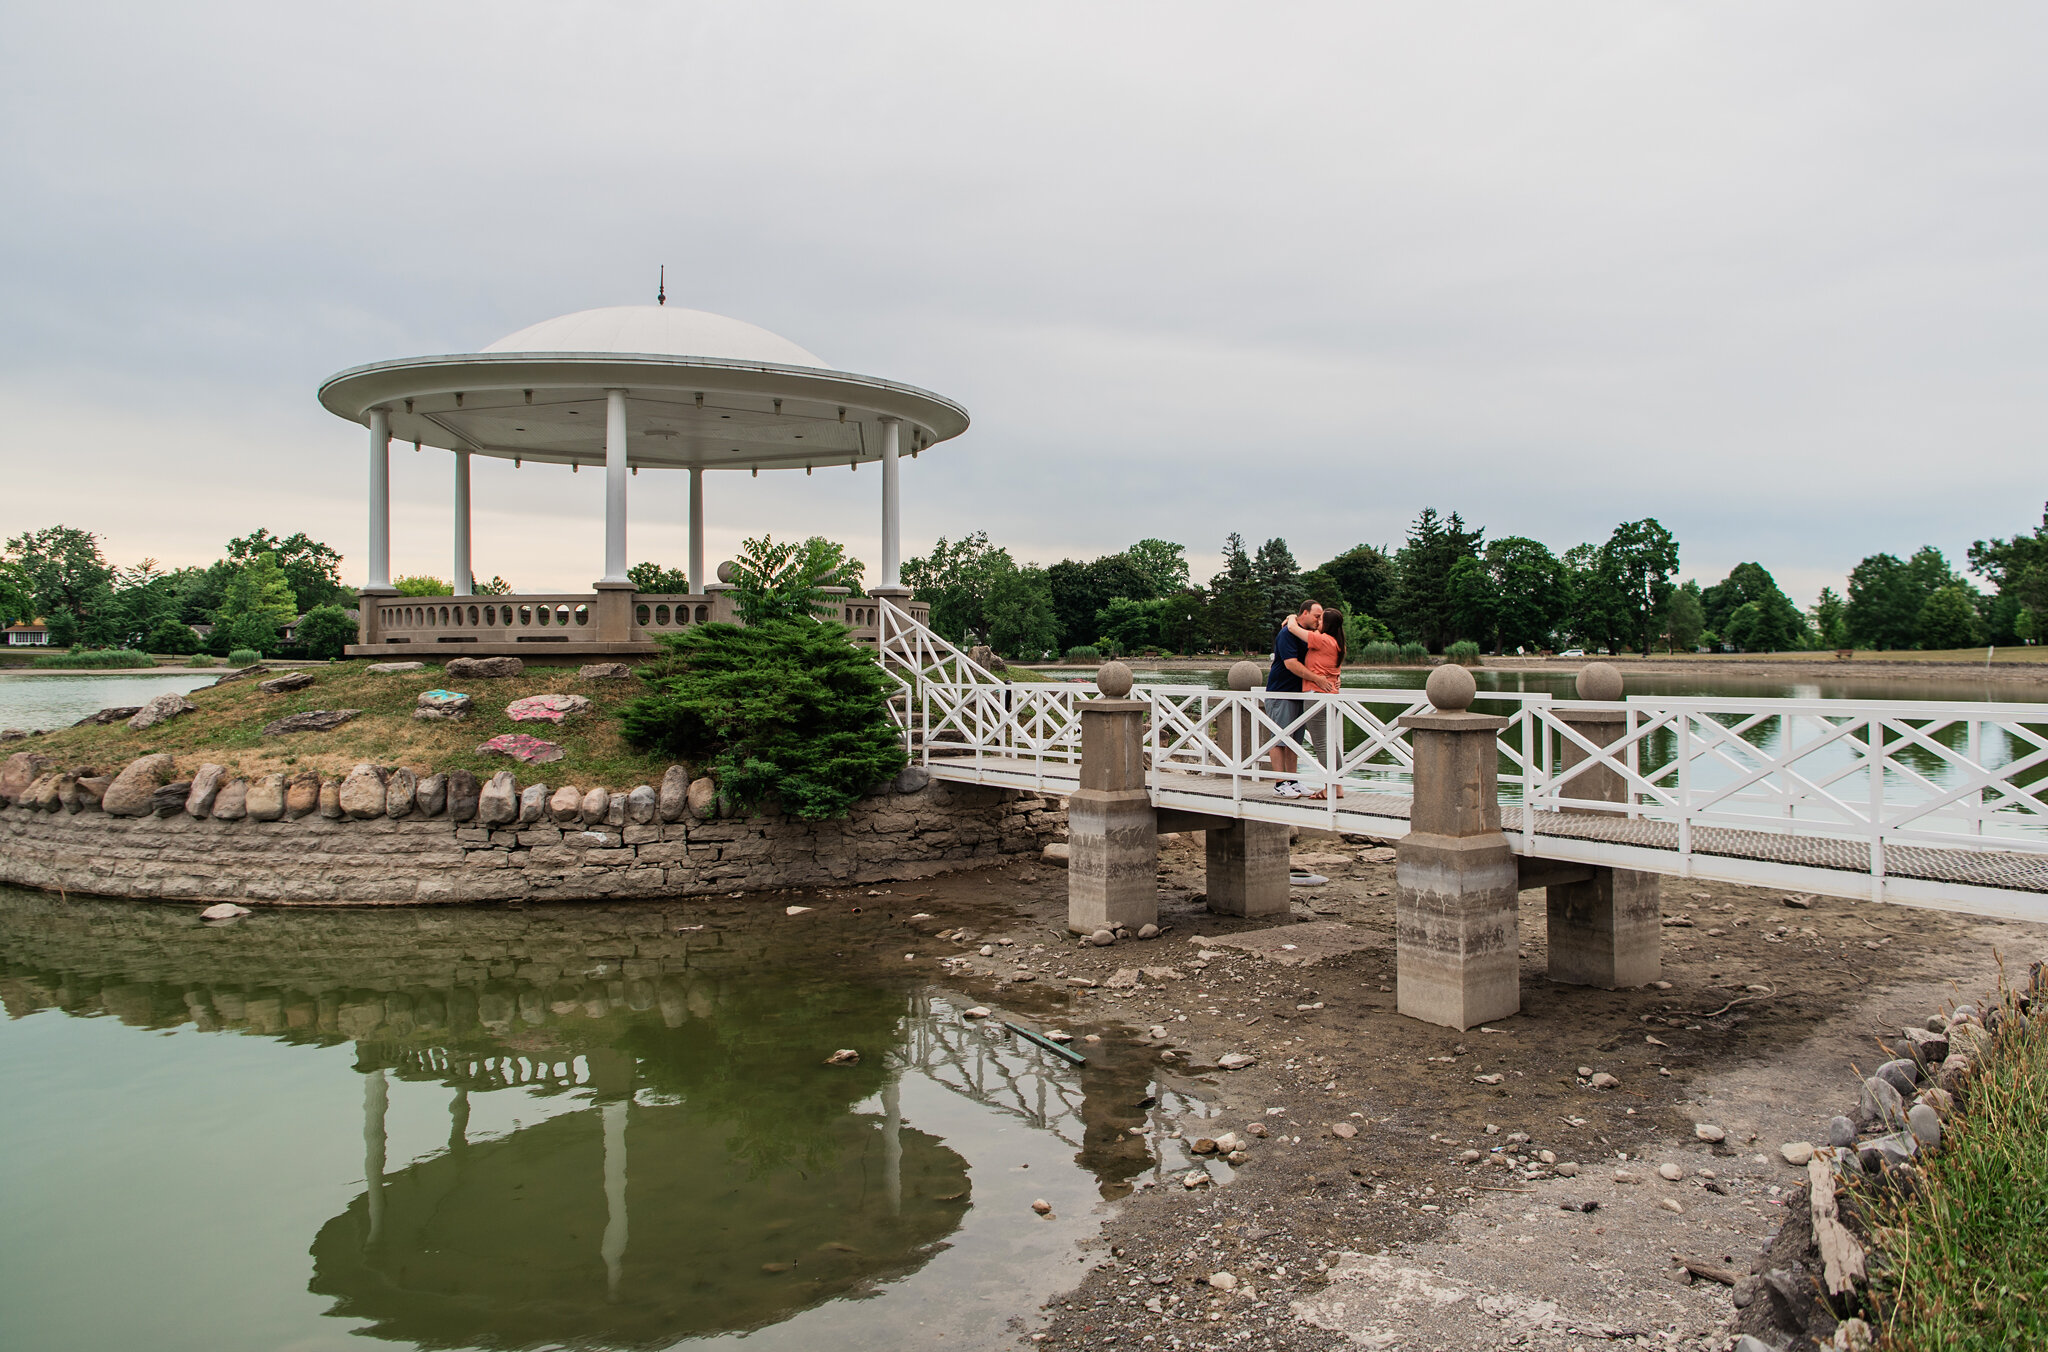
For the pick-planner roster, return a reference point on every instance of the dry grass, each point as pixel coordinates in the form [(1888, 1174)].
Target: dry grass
[(227, 728)]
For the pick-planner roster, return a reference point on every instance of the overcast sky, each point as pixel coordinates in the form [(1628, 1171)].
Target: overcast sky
[(1774, 274)]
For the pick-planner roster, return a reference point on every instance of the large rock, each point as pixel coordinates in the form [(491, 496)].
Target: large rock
[(118, 713), (92, 788), (546, 708), (330, 800), (704, 798), (567, 804), (596, 804), (205, 788), (312, 720), (167, 801), (265, 802), (19, 772), (520, 747), (362, 793), (67, 791), (533, 804), (498, 804), (463, 795), (302, 795), (912, 778), (41, 795), (395, 668), (280, 685), (451, 705), (162, 709), (675, 793), (643, 806), (129, 795), (604, 671), (401, 790), (232, 803), (483, 668), (431, 798)]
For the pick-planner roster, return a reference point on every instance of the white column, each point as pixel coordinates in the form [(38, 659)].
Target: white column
[(892, 509), (463, 570), (892, 1146), (697, 578), (615, 474), (380, 497), (612, 1247), (375, 1096)]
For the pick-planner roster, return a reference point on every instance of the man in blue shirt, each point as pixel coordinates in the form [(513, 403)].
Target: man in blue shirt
[(1290, 665)]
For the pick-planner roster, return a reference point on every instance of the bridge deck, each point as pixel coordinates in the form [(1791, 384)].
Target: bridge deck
[(2004, 883)]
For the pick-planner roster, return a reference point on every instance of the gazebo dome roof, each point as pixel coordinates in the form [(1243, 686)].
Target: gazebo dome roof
[(657, 330)]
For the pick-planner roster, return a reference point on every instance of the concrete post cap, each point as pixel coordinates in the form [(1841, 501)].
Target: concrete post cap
[(1244, 675), (1113, 679), (1451, 688), (725, 571), (1599, 681)]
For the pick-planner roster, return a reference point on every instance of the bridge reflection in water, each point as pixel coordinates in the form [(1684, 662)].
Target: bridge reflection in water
[(682, 1165)]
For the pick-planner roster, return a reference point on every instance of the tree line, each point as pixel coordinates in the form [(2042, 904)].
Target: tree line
[(1447, 584)]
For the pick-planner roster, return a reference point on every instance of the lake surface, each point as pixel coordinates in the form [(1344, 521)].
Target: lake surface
[(504, 1128), (41, 703)]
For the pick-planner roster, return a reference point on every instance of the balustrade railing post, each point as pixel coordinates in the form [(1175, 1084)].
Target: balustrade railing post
[(1456, 880), (1112, 831), (1606, 930)]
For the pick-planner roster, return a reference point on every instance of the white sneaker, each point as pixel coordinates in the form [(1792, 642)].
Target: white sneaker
[(1288, 789)]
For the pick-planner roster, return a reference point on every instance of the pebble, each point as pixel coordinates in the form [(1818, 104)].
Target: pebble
[(1469, 1157), (1084, 982), (1487, 1079), (1345, 1131), (1223, 1281), (1624, 1176), (988, 950), (1585, 1072), (1900, 1075), (1195, 1179), (226, 910), (1548, 1157), (1841, 1132), (1257, 1129), (1670, 1172), (1925, 1123), (1567, 1169), (1796, 1153), (796, 910), (1709, 1133), (845, 1056), (978, 1012), (1148, 931), (1673, 1207), (1604, 1081), (1042, 1207), (1102, 938), (1235, 1060)]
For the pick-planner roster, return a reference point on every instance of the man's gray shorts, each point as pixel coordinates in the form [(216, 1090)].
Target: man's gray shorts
[(1284, 710)]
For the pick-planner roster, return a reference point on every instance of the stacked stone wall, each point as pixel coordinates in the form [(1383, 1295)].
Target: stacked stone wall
[(322, 860)]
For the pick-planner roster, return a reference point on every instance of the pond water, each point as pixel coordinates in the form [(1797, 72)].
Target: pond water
[(41, 703), (591, 1127)]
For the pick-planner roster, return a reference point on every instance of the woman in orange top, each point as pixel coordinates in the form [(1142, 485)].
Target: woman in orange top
[(1325, 663)]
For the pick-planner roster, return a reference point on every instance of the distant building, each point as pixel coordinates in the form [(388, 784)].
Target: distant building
[(28, 634)]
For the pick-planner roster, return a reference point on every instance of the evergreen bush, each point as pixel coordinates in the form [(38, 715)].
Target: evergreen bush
[(173, 638), (325, 632), (244, 657), (82, 658), (1084, 652), (788, 708)]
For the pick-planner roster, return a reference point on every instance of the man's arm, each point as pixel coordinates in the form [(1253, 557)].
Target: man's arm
[(1295, 665)]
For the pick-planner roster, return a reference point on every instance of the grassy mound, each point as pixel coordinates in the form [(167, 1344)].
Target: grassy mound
[(227, 728), (1968, 1252)]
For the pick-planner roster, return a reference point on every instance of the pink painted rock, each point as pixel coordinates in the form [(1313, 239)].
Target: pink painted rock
[(546, 708), (520, 747)]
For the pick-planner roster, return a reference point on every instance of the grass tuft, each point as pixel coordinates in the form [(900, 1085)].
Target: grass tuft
[(1968, 1254), (95, 658)]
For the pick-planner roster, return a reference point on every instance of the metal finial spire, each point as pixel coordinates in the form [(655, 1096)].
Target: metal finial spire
[(661, 289)]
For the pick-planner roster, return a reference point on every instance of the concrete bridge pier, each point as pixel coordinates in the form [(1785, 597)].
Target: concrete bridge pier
[(1112, 831), (1606, 924), (1457, 883)]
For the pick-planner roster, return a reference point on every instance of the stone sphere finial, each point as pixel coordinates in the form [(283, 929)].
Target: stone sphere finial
[(1451, 688), (1600, 682), (1244, 675), (725, 571), (1113, 679)]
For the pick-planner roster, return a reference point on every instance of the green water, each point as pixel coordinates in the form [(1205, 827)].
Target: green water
[(541, 1127), (36, 703)]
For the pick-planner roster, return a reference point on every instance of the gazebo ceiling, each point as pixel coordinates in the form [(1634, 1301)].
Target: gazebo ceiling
[(748, 401)]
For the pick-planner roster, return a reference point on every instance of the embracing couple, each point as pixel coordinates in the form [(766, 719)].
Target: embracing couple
[(1308, 655)]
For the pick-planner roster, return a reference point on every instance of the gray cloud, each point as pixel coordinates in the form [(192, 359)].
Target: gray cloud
[(1773, 275)]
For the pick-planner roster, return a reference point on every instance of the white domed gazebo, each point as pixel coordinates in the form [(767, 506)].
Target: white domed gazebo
[(626, 387)]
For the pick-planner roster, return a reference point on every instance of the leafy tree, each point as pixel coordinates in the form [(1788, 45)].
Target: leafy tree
[(1279, 579), (421, 585), (1948, 619), (1745, 582), (1685, 619), (1237, 612), (655, 580), (1830, 620), (1767, 625), (17, 599), (312, 569), (250, 631), (1529, 593), (1020, 616), (788, 581), (172, 637), (1319, 583), (1887, 596), (260, 588), (325, 631), (784, 707), (1643, 556), (959, 581), (1594, 614), (2018, 568), (497, 586), (65, 573), (1366, 578), (1422, 606), (1475, 601), (1161, 564)]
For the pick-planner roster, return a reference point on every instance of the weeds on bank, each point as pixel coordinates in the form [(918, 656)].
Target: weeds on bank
[(1968, 1252)]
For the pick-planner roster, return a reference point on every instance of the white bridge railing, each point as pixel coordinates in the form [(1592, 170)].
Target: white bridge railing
[(1881, 773)]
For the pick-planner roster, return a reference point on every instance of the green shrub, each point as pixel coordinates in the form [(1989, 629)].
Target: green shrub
[(1414, 654), (1465, 653), (325, 632), (244, 657), (1379, 654), (783, 708), (173, 638), (202, 660), (1084, 652), (79, 659)]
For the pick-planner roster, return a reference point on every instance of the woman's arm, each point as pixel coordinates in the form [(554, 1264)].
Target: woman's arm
[(1294, 628)]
